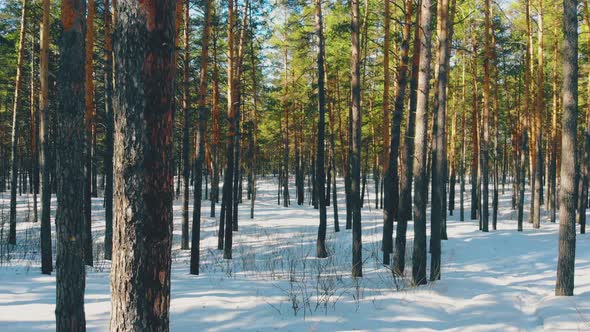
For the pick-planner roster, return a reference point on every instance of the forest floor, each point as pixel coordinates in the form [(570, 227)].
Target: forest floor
[(498, 281)]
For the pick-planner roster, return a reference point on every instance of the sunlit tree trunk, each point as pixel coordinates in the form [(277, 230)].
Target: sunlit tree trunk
[(144, 181)]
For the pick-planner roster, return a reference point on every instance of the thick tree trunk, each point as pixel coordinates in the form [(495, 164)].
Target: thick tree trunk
[(567, 194), (71, 274), (144, 181)]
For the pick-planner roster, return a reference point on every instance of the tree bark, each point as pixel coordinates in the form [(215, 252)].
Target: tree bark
[(405, 202), (569, 178), (144, 181), (420, 169), (355, 144), (320, 174), (71, 273), (46, 250), (16, 107), (200, 145), (109, 129)]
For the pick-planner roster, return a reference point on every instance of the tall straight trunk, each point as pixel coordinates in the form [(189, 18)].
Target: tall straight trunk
[(46, 251), (200, 144), (496, 132), (254, 135), (567, 195), (420, 142), (320, 179), (69, 220), (34, 132), (109, 131), (355, 143), (186, 167), (486, 119), (405, 202), (463, 144), (551, 190), (538, 182), (452, 161), (333, 166), (215, 132), (529, 70), (144, 175), (474, 138), (438, 141), (388, 208), (16, 107), (231, 134), (88, 119), (392, 196), (285, 178), (585, 155)]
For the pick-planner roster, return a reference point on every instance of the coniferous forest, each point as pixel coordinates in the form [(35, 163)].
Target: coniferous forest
[(298, 165)]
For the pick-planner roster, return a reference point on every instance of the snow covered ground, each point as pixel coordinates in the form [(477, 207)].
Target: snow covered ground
[(497, 281)]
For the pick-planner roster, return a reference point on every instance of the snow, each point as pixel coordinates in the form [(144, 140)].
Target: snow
[(498, 281)]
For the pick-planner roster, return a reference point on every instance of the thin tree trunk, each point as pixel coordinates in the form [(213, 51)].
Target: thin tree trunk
[(320, 179), (186, 167), (16, 107), (355, 144), (46, 250), (200, 144), (405, 202), (439, 146), (420, 167), (88, 119), (109, 131)]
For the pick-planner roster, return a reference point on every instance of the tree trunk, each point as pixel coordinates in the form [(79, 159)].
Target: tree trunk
[(200, 145), (144, 181), (439, 146), (567, 194), (538, 182), (46, 250), (16, 107), (88, 120), (420, 176), (320, 178), (70, 277), (109, 131), (355, 144), (185, 134), (405, 202)]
